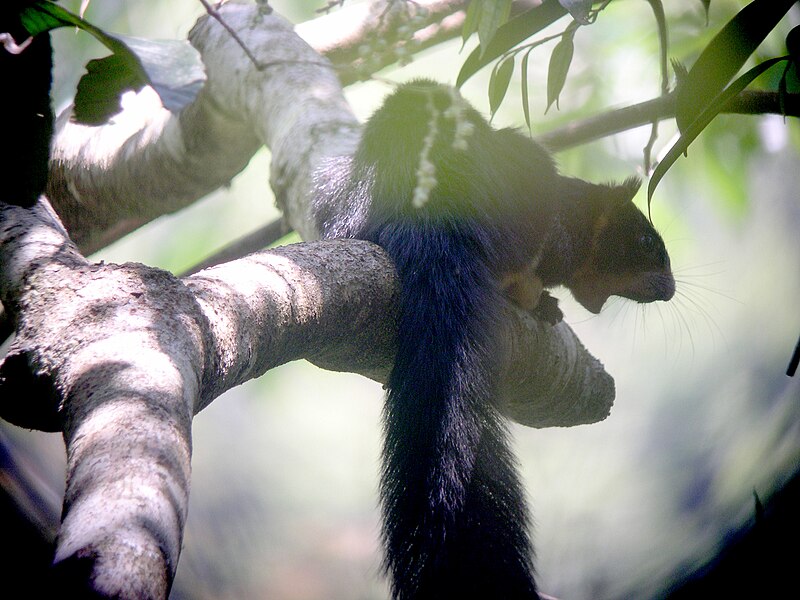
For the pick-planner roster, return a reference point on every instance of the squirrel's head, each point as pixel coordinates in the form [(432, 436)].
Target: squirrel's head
[(627, 256)]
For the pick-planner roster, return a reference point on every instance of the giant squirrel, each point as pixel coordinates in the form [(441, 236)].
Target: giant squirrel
[(471, 216)]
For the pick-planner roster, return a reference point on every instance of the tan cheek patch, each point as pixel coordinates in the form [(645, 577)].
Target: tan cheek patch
[(523, 288), (592, 288)]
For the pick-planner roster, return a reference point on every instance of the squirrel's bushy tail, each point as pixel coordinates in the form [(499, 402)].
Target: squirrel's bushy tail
[(455, 519)]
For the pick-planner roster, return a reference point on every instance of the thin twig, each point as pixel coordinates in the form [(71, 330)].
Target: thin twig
[(215, 15), (252, 242)]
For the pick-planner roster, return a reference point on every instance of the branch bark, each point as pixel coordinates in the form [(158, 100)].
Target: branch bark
[(120, 357)]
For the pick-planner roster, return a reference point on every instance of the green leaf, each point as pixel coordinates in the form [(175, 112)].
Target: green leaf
[(701, 122), (173, 68), (526, 108), (725, 55), (99, 91), (509, 35), (560, 61), (44, 15), (494, 14), (499, 82), (470, 21)]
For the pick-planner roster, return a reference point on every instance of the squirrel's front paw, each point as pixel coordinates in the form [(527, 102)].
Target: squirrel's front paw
[(548, 310)]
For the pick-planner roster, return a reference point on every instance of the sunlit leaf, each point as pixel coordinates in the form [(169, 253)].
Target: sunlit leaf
[(43, 16), (725, 55), (701, 122), (499, 82), (99, 91)]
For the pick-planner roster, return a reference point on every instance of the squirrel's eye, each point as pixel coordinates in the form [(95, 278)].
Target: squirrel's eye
[(647, 242)]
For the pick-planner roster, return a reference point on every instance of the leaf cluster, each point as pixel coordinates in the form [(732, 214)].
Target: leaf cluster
[(701, 93)]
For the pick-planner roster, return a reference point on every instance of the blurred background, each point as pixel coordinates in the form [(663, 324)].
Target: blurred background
[(706, 425)]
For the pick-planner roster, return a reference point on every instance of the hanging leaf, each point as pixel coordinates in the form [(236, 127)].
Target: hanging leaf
[(701, 122), (471, 21), (171, 67), (99, 91), (560, 61), (725, 55), (494, 14), (509, 35), (499, 82), (526, 108), (43, 15)]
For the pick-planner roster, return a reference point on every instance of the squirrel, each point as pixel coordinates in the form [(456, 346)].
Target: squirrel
[(472, 216)]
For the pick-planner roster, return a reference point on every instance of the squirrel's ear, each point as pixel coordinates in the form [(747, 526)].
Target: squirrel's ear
[(629, 187)]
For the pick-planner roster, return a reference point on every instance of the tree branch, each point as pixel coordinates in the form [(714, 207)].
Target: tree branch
[(152, 162), (120, 357), (748, 102)]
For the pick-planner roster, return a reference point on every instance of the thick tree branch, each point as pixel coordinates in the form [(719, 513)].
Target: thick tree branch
[(333, 303), (120, 357), (94, 358), (108, 180)]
